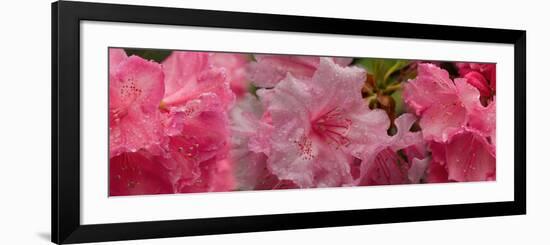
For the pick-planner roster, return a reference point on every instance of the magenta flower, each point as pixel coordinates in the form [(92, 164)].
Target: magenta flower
[(196, 123), (135, 90), (173, 140), (268, 70), (177, 127), (477, 80), (460, 131), (198, 134), (446, 107), (316, 125), (481, 76), (250, 145)]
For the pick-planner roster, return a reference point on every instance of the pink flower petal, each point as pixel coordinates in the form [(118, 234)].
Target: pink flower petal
[(208, 81), (437, 173), (371, 136), (443, 120), (116, 57), (268, 70), (182, 68), (488, 71), (387, 168), (381, 164), (135, 91), (448, 108), (250, 166), (135, 173), (310, 130), (470, 158), (404, 137), (215, 176), (480, 119), (477, 80), (431, 85), (335, 85), (137, 81), (234, 65), (198, 144), (418, 169)]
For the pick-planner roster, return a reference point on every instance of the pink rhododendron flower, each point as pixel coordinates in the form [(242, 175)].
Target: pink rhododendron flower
[(481, 76), (315, 124), (197, 99), (249, 148), (135, 90), (169, 140), (446, 107), (191, 123), (477, 80), (460, 131), (268, 70), (320, 127), (198, 143)]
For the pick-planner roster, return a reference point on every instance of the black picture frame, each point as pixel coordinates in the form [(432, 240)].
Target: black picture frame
[(66, 18)]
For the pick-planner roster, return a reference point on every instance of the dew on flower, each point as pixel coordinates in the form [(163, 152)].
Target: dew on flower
[(191, 121)]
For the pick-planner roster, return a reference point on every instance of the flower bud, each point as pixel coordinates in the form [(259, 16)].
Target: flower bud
[(477, 80)]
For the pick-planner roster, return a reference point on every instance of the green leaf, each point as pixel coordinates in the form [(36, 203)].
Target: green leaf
[(157, 55), (397, 65), (399, 105), (367, 63), (252, 89), (382, 69)]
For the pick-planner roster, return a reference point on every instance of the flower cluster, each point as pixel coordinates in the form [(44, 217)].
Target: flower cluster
[(458, 120), (312, 127), (205, 121), (168, 123)]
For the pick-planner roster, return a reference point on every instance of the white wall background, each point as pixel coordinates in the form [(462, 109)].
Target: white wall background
[(25, 121)]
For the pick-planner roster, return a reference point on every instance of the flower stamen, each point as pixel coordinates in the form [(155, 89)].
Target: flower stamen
[(334, 127)]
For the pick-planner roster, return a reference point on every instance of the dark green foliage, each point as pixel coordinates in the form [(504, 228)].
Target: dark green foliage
[(157, 55)]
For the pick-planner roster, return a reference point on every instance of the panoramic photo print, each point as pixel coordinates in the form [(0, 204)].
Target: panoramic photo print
[(195, 121)]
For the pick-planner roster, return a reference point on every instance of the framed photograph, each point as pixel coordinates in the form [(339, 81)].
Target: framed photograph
[(177, 122)]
